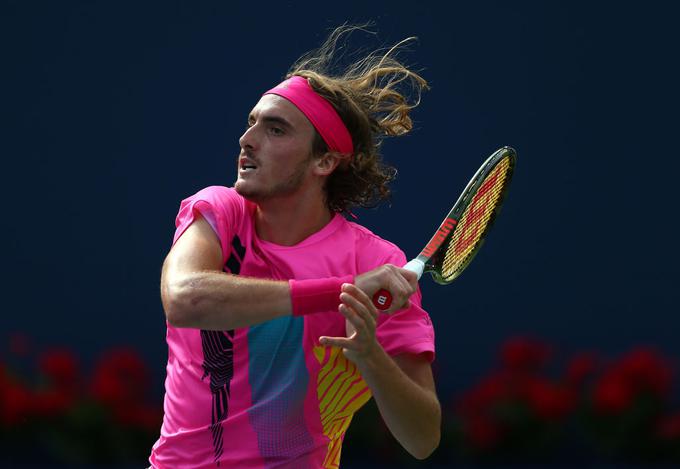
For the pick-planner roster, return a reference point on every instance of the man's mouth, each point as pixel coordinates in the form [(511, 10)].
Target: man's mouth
[(246, 165)]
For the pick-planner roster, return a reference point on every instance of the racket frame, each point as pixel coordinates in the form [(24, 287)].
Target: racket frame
[(430, 258)]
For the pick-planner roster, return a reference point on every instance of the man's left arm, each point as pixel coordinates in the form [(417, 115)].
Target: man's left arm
[(402, 386)]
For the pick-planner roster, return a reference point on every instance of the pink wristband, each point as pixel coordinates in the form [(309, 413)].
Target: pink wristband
[(317, 295)]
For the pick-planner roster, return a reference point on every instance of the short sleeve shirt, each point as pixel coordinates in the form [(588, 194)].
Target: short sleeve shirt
[(270, 396)]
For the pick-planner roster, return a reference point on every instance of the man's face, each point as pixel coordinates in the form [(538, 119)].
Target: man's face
[(276, 151)]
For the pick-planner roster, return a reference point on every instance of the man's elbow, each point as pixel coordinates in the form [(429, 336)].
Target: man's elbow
[(179, 306), (430, 435), (174, 312), (427, 446)]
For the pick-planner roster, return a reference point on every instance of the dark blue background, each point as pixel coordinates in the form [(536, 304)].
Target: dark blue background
[(113, 112)]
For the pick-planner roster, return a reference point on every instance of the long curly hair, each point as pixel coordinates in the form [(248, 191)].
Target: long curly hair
[(373, 97)]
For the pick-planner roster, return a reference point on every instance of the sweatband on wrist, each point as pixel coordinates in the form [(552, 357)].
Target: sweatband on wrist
[(317, 295), (318, 110)]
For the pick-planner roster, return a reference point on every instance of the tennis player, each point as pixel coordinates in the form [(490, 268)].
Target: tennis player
[(273, 340)]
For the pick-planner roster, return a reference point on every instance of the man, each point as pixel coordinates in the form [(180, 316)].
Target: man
[(273, 338)]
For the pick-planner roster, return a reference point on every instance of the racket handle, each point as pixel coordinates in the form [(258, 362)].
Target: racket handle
[(416, 266), (382, 299)]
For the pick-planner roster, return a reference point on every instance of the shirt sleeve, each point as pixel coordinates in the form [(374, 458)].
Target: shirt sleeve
[(409, 330), (221, 207)]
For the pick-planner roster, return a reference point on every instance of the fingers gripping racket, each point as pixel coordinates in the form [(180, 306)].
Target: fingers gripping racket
[(462, 233)]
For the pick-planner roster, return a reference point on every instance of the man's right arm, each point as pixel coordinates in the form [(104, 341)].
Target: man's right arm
[(197, 293)]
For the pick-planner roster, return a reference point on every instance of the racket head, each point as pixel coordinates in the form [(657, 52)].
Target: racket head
[(462, 233)]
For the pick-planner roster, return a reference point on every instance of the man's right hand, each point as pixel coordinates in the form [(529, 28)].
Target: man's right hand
[(401, 283)]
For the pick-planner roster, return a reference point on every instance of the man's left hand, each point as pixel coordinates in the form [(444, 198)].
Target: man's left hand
[(361, 319)]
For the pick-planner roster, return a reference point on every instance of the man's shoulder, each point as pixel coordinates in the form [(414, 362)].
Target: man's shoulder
[(217, 193), (220, 205), (366, 235), (370, 243), (219, 197)]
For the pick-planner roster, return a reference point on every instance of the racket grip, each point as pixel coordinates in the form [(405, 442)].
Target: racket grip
[(382, 299), (416, 266)]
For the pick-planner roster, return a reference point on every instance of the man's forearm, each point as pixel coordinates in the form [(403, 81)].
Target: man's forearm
[(219, 301), (411, 412)]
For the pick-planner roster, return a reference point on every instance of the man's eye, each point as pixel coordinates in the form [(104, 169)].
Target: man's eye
[(276, 131)]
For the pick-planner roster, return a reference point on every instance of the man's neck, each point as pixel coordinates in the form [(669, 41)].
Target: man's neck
[(288, 221)]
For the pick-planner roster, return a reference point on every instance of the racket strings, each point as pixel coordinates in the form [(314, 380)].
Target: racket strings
[(474, 220)]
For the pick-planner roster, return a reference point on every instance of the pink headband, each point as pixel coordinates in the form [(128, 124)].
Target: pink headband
[(320, 112)]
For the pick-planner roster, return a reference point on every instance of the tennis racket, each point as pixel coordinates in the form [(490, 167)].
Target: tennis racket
[(462, 233)]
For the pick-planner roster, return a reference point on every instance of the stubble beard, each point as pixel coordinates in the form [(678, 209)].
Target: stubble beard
[(283, 188)]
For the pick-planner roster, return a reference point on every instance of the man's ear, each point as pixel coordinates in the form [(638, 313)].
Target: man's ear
[(326, 164)]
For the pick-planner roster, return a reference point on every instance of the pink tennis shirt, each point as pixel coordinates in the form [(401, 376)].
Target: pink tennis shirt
[(270, 396)]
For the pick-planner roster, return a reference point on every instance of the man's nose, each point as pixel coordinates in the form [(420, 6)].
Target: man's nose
[(248, 139)]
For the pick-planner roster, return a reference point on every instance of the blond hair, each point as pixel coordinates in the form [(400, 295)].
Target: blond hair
[(374, 97)]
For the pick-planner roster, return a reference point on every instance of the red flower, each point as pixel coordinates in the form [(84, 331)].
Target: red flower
[(645, 370), (52, 402), (489, 391), (4, 377), (612, 395), (640, 371), (15, 400), (548, 400), (579, 368), (524, 355), (120, 378), (60, 366)]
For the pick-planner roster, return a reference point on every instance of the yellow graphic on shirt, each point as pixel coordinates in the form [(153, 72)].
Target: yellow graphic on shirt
[(341, 392)]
